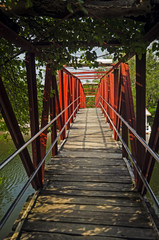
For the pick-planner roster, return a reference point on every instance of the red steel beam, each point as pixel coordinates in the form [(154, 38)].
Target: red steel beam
[(89, 77), (13, 127), (123, 110), (33, 109), (45, 113), (73, 94), (154, 144), (140, 111), (90, 72), (130, 110), (61, 96), (13, 37), (52, 116), (66, 100), (116, 82), (57, 105)]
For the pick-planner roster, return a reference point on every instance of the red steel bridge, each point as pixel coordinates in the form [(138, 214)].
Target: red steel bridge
[(86, 191)]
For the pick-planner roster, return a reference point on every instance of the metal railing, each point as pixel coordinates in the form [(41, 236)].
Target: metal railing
[(142, 141), (6, 161)]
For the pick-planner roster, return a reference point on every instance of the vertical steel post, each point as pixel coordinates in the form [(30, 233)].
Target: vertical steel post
[(112, 97), (106, 95), (71, 100), (57, 105), (66, 99), (130, 109), (73, 94), (123, 110), (76, 92), (61, 96), (116, 74), (79, 93), (140, 111), (69, 97), (52, 116), (45, 113), (33, 108), (154, 144)]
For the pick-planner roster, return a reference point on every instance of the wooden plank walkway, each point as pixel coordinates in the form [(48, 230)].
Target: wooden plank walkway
[(88, 192)]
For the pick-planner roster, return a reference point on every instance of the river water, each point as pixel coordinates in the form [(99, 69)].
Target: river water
[(13, 178)]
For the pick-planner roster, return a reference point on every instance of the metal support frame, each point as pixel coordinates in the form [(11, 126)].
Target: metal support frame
[(33, 109), (123, 110), (13, 127), (52, 116), (61, 96), (116, 74), (154, 144), (45, 114), (57, 104), (140, 111)]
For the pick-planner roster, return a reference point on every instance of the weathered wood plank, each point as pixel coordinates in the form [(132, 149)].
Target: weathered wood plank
[(88, 192), (87, 200), (89, 230), (51, 236)]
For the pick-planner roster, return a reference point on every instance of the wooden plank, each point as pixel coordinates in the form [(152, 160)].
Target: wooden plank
[(109, 219), (92, 186), (88, 200), (89, 230), (50, 236), (88, 193)]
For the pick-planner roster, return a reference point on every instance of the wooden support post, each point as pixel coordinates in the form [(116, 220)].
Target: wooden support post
[(140, 111), (13, 127), (45, 113), (52, 116), (33, 108), (61, 97), (154, 144), (123, 110)]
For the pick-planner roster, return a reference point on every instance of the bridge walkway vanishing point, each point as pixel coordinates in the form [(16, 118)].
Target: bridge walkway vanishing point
[(88, 192)]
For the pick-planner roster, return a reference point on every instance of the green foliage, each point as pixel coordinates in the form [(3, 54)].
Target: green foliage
[(81, 33), (1, 180), (67, 37), (13, 75), (152, 80)]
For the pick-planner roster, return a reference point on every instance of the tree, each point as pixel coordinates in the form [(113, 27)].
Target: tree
[(152, 80), (57, 35)]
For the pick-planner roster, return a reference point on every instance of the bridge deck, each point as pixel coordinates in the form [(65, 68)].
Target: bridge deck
[(88, 192)]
